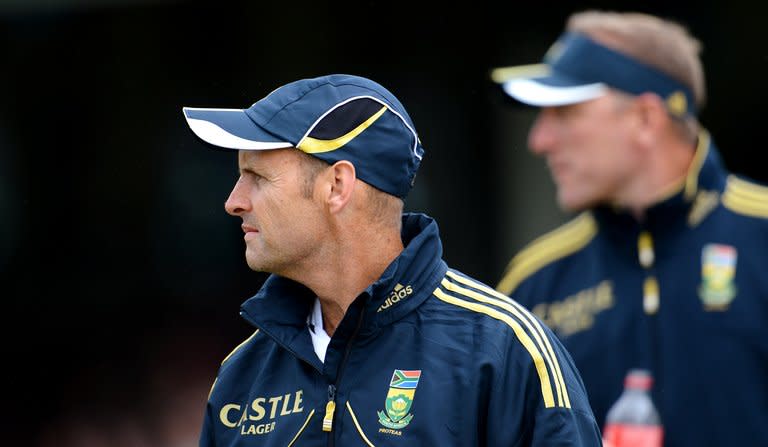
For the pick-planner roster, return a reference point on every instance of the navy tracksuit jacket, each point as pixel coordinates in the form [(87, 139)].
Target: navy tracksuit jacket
[(425, 356), (683, 293)]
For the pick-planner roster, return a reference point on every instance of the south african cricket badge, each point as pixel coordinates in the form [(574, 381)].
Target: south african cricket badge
[(718, 269), (402, 387)]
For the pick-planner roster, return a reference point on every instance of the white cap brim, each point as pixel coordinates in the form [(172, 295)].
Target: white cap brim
[(230, 129), (537, 93)]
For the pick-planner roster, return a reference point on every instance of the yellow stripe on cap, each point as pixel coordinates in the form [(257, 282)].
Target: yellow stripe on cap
[(503, 74), (531, 323), (557, 244), (744, 197), (311, 145), (525, 340)]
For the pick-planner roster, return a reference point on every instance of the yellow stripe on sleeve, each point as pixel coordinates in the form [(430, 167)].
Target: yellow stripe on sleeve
[(533, 325), (538, 360), (747, 188), (554, 245), (745, 197)]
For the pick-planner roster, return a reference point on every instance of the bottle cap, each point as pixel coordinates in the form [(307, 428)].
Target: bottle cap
[(638, 379)]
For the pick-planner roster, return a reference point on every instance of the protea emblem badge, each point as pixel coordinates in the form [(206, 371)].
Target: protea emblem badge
[(397, 406), (718, 268)]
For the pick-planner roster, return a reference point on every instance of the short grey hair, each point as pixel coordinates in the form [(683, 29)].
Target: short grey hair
[(661, 43)]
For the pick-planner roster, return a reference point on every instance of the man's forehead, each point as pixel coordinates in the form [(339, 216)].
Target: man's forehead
[(610, 97), (249, 158)]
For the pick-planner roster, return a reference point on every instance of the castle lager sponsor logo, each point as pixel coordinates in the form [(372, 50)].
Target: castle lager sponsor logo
[(577, 312), (400, 292), (261, 414)]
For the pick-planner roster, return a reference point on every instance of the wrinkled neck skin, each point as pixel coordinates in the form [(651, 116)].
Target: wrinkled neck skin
[(355, 254)]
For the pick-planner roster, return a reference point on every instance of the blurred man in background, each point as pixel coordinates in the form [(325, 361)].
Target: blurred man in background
[(663, 265)]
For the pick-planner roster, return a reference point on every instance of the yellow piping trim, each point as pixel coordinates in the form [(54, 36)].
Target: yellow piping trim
[(314, 146), (212, 385), (239, 346), (503, 74), (301, 430), (523, 315), (359, 429), (227, 358), (525, 340), (557, 244), (692, 179)]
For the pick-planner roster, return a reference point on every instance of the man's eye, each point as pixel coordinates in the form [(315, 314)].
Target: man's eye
[(253, 176)]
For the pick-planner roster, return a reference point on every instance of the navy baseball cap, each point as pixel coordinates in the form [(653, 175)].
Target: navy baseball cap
[(335, 117), (577, 68)]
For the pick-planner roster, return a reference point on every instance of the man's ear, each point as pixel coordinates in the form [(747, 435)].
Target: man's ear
[(653, 111), (653, 115), (342, 184)]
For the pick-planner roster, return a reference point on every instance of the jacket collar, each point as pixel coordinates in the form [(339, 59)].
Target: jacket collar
[(706, 175), (281, 306)]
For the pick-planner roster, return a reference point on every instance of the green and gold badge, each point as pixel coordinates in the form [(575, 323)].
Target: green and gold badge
[(718, 269), (397, 406)]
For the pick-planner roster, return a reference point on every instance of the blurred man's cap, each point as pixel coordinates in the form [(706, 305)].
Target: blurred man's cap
[(334, 117), (577, 68)]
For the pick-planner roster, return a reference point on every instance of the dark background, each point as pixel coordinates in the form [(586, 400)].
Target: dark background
[(120, 273)]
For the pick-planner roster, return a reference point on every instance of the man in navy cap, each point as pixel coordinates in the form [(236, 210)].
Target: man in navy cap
[(363, 335), (663, 265)]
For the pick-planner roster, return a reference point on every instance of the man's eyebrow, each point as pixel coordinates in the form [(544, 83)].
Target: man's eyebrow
[(255, 170)]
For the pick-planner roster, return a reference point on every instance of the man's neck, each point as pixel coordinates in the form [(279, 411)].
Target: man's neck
[(349, 270), (663, 177)]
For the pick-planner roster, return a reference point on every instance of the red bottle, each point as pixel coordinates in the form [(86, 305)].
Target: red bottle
[(633, 420)]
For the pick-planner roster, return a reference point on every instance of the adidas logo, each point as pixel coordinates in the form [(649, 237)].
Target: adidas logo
[(399, 293)]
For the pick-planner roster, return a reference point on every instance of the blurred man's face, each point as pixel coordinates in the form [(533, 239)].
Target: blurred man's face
[(588, 150)]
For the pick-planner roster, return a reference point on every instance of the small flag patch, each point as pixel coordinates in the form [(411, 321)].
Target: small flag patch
[(405, 379)]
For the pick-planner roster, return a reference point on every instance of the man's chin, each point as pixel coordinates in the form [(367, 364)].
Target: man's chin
[(255, 263), (573, 205)]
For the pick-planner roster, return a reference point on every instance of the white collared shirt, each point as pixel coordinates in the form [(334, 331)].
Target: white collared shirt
[(320, 339)]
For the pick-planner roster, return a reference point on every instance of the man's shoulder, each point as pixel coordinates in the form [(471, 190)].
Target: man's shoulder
[(462, 292), (232, 366), (471, 299), (746, 197), (549, 248), (513, 337)]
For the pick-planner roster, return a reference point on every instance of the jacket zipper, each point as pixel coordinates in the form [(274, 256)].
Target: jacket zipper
[(330, 407), (651, 298)]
